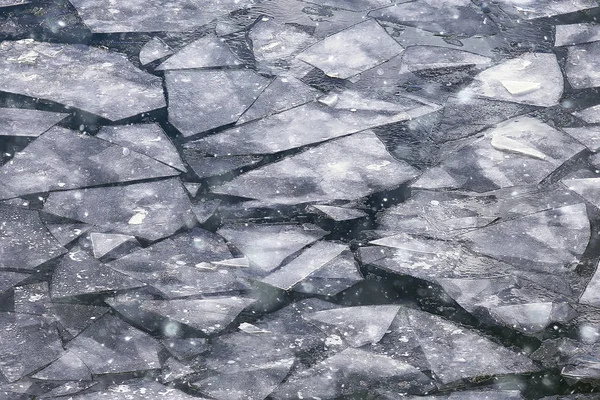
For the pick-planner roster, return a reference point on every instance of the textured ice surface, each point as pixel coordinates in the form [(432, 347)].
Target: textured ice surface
[(219, 97), (61, 159), (106, 16), (94, 80), (24, 122), (153, 50), (576, 34), (311, 176), (352, 51), (534, 78), (590, 115), (207, 52), (583, 65), (529, 9), (152, 210)]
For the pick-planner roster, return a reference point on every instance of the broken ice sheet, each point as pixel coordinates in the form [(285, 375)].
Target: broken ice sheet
[(309, 261), (206, 52), (576, 34), (587, 135), (206, 167), (588, 188), (343, 169), (177, 266), (8, 279), (529, 9), (351, 5), (111, 346), (338, 213), (352, 51), (62, 159), (25, 243), (10, 3), (590, 115), (106, 16), (28, 344), (186, 348), (268, 245), (67, 368), (136, 390), (519, 151), (420, 58), (208, 315), (591, 295), (66, 233), (80, 274), (201, 100), (88, 78), (547, 241), (147, 139), (28, 123), (153, 50), (107, 246), (283, 93), (458, 17), (352, 371), (583, 65), (151, 210), (312, 123)]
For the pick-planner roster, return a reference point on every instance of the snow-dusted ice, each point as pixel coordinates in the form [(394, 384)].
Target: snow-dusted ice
[(299, 199)]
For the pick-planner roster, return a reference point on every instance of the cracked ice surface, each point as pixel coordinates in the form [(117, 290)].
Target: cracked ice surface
[(299, 199)]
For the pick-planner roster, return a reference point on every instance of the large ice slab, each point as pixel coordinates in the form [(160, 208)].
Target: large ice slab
[(588, 188), (94, 80), (344, 169), (349, 112), (458, 17), (25, 243), (528, 9), (520, 151), (28, 123), (180, 266), (106, 16), (206, 52), (268, 245), (583, 65), (153, 50), (571, 34), (203, 100), (111, 346), (421, 58), (151, 210), (590, 115), (587, 135), (533, 78), (147, 139), (352, 51), (62, 159)]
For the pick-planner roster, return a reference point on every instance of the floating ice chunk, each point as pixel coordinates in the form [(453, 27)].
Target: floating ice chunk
[(268, 245), (203, 100), (283, 93), (205, 209), (67, 368), (8, 279), (419, 58), (352, 51), (588, 135), (24, 241), (342, 169), (520, 151), (273, 42), (153, 50), (79, 274), (147, 139), (192, 188), (97, 81), (339, 213), (529, 9), (142, 389), (28, 344), (206, 52), (28, 123), (62, 159), (32, 299), (111, 245), (68, 388), (66, 233), (164, 204), (458, 17), (111, 346), (590, 115), (583, 65), (350, 372), (588, 188), (175, 370), (106, 16), (206, 167), (351, 5), (358, 325), (567, 35), (312, 123), (170, 265), (545, 241), (533, 78), (74, 318), (10, 3), (310, 260), (183, 349)]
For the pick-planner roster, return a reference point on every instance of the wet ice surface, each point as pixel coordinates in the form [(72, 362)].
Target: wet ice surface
[(286, 199)]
